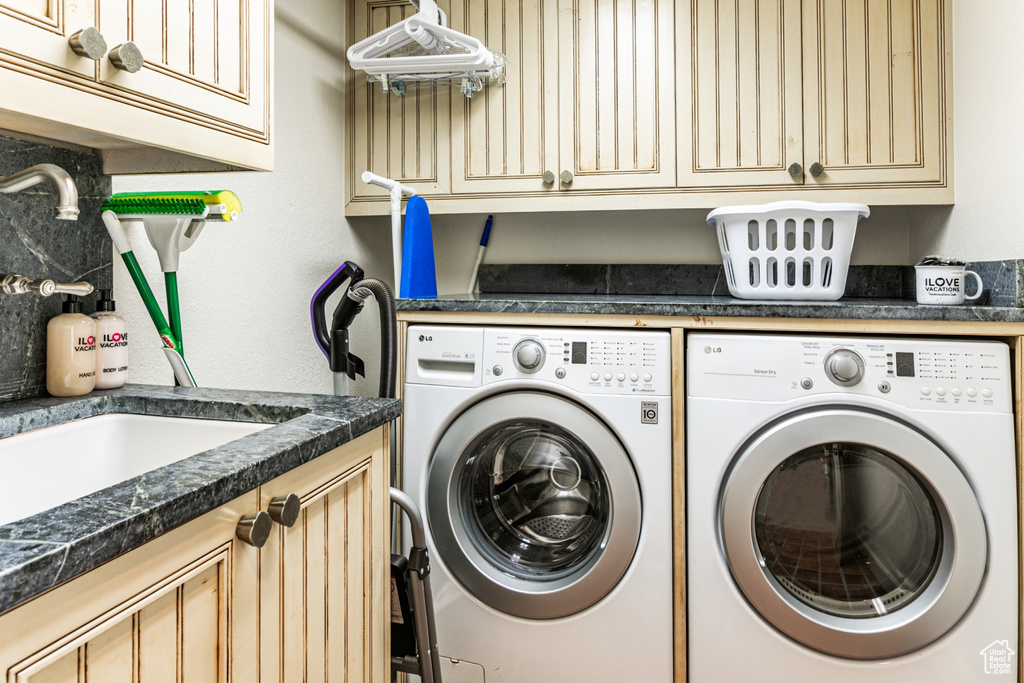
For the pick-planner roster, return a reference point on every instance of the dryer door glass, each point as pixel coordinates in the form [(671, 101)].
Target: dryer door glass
[(533, 504), (852, 532), (848, 530), (538, 498)]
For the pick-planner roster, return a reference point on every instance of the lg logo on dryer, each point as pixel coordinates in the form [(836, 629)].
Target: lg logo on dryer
[(712, 349), (426, 338)]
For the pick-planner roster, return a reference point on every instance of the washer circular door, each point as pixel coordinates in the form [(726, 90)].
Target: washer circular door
[(852, 532), (533, 504)]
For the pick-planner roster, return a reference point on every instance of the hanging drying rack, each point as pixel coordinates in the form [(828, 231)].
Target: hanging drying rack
[(422, 50)]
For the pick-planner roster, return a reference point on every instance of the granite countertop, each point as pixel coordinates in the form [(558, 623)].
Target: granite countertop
[(708, 306), (44, 550)]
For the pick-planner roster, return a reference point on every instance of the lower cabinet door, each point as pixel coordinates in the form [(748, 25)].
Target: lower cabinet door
[(323, 583), (183, 607)]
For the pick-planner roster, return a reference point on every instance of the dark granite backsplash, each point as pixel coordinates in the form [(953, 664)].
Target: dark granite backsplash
[(1004, 280), (35, 244)]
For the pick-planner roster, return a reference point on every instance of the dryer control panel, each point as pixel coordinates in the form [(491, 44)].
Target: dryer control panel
[(590, 361), (926, 374)]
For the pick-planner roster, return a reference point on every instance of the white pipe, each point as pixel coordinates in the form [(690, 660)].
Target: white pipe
[(396, 189)]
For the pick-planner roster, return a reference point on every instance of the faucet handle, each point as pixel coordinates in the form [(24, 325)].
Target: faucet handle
[(77, 288)]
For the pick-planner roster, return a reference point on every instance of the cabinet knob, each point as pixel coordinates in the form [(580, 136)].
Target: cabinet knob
[(566, 178), (548, 178), (254, 528), (817, 169), (285, 509), (88, 43), (127, 57), (795, 170)]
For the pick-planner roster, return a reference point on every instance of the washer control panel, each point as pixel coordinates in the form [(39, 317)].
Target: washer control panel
[(918, 373), (594, 361)]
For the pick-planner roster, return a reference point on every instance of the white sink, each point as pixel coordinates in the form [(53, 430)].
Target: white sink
[(47, 467)]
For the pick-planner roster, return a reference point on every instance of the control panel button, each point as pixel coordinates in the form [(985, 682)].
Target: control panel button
[(972, 392), (560, 373), (884, 387), (621, 377), (595, 376), (647, 377), (497, 370), (607, 377), (925, 391), (528, 355), (807, 383), (955, 391), (844, 367), (634, 377), (940, 391), (986, 392)]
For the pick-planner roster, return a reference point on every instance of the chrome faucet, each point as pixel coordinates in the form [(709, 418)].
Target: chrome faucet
[(67, 209), (11, 283)]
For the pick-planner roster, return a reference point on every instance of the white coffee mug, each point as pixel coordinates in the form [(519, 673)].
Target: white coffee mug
[(945, 285)]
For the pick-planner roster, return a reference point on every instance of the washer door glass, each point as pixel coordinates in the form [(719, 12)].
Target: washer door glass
[(533, 504), (848, 530), (537, 498), (852, 532)]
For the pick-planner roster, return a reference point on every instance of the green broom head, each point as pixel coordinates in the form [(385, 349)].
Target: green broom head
[(143, 204)]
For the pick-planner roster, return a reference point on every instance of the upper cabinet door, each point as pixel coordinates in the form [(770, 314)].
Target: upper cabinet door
[(204, 59), (505, 137), (740, 93), (877, 106), (35, 33), (402, 137), (616, 94)]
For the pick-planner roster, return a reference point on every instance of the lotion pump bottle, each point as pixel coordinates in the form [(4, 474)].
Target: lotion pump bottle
[(70, 351), (111, 344)]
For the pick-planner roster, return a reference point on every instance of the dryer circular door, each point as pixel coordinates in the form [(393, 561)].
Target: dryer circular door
[(852, 532), (533, 504)]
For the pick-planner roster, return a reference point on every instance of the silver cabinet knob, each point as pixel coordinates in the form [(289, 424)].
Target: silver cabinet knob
[(254, 528), (795, 170), (548, 178), (285, 509), (88, 42), (566, 178), (816, 169), (127, 57)]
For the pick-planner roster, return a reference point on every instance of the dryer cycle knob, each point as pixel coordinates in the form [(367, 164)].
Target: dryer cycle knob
[(528, 355), (844, 367)]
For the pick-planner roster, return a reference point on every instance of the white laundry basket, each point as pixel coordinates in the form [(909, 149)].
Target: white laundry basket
[(787, 250)]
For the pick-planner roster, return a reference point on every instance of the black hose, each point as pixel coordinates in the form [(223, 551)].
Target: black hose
[(388, 331)]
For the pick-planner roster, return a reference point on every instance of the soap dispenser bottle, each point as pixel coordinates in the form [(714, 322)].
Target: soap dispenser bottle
[(70, 351), (111, 344)]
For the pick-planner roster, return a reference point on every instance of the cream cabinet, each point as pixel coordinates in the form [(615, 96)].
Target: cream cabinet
[(588, 105), (817, 95), (654, 104), (201, 100), (182, 607), (197, 604), (588, 102), (325, 582)]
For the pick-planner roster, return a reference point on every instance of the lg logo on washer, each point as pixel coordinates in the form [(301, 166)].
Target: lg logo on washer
[(712, 349), (426, 338)]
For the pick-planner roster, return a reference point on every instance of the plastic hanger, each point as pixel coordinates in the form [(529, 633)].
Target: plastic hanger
[(421, 46)]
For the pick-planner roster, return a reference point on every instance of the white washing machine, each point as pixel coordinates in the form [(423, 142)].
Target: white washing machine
[(851, 510), (541, 459)]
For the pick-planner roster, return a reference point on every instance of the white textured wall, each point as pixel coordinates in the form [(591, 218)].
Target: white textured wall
[(245, 287), (986, 222)]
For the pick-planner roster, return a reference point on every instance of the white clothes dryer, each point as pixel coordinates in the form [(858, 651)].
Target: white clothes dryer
[(851, 510), (541, 459)]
